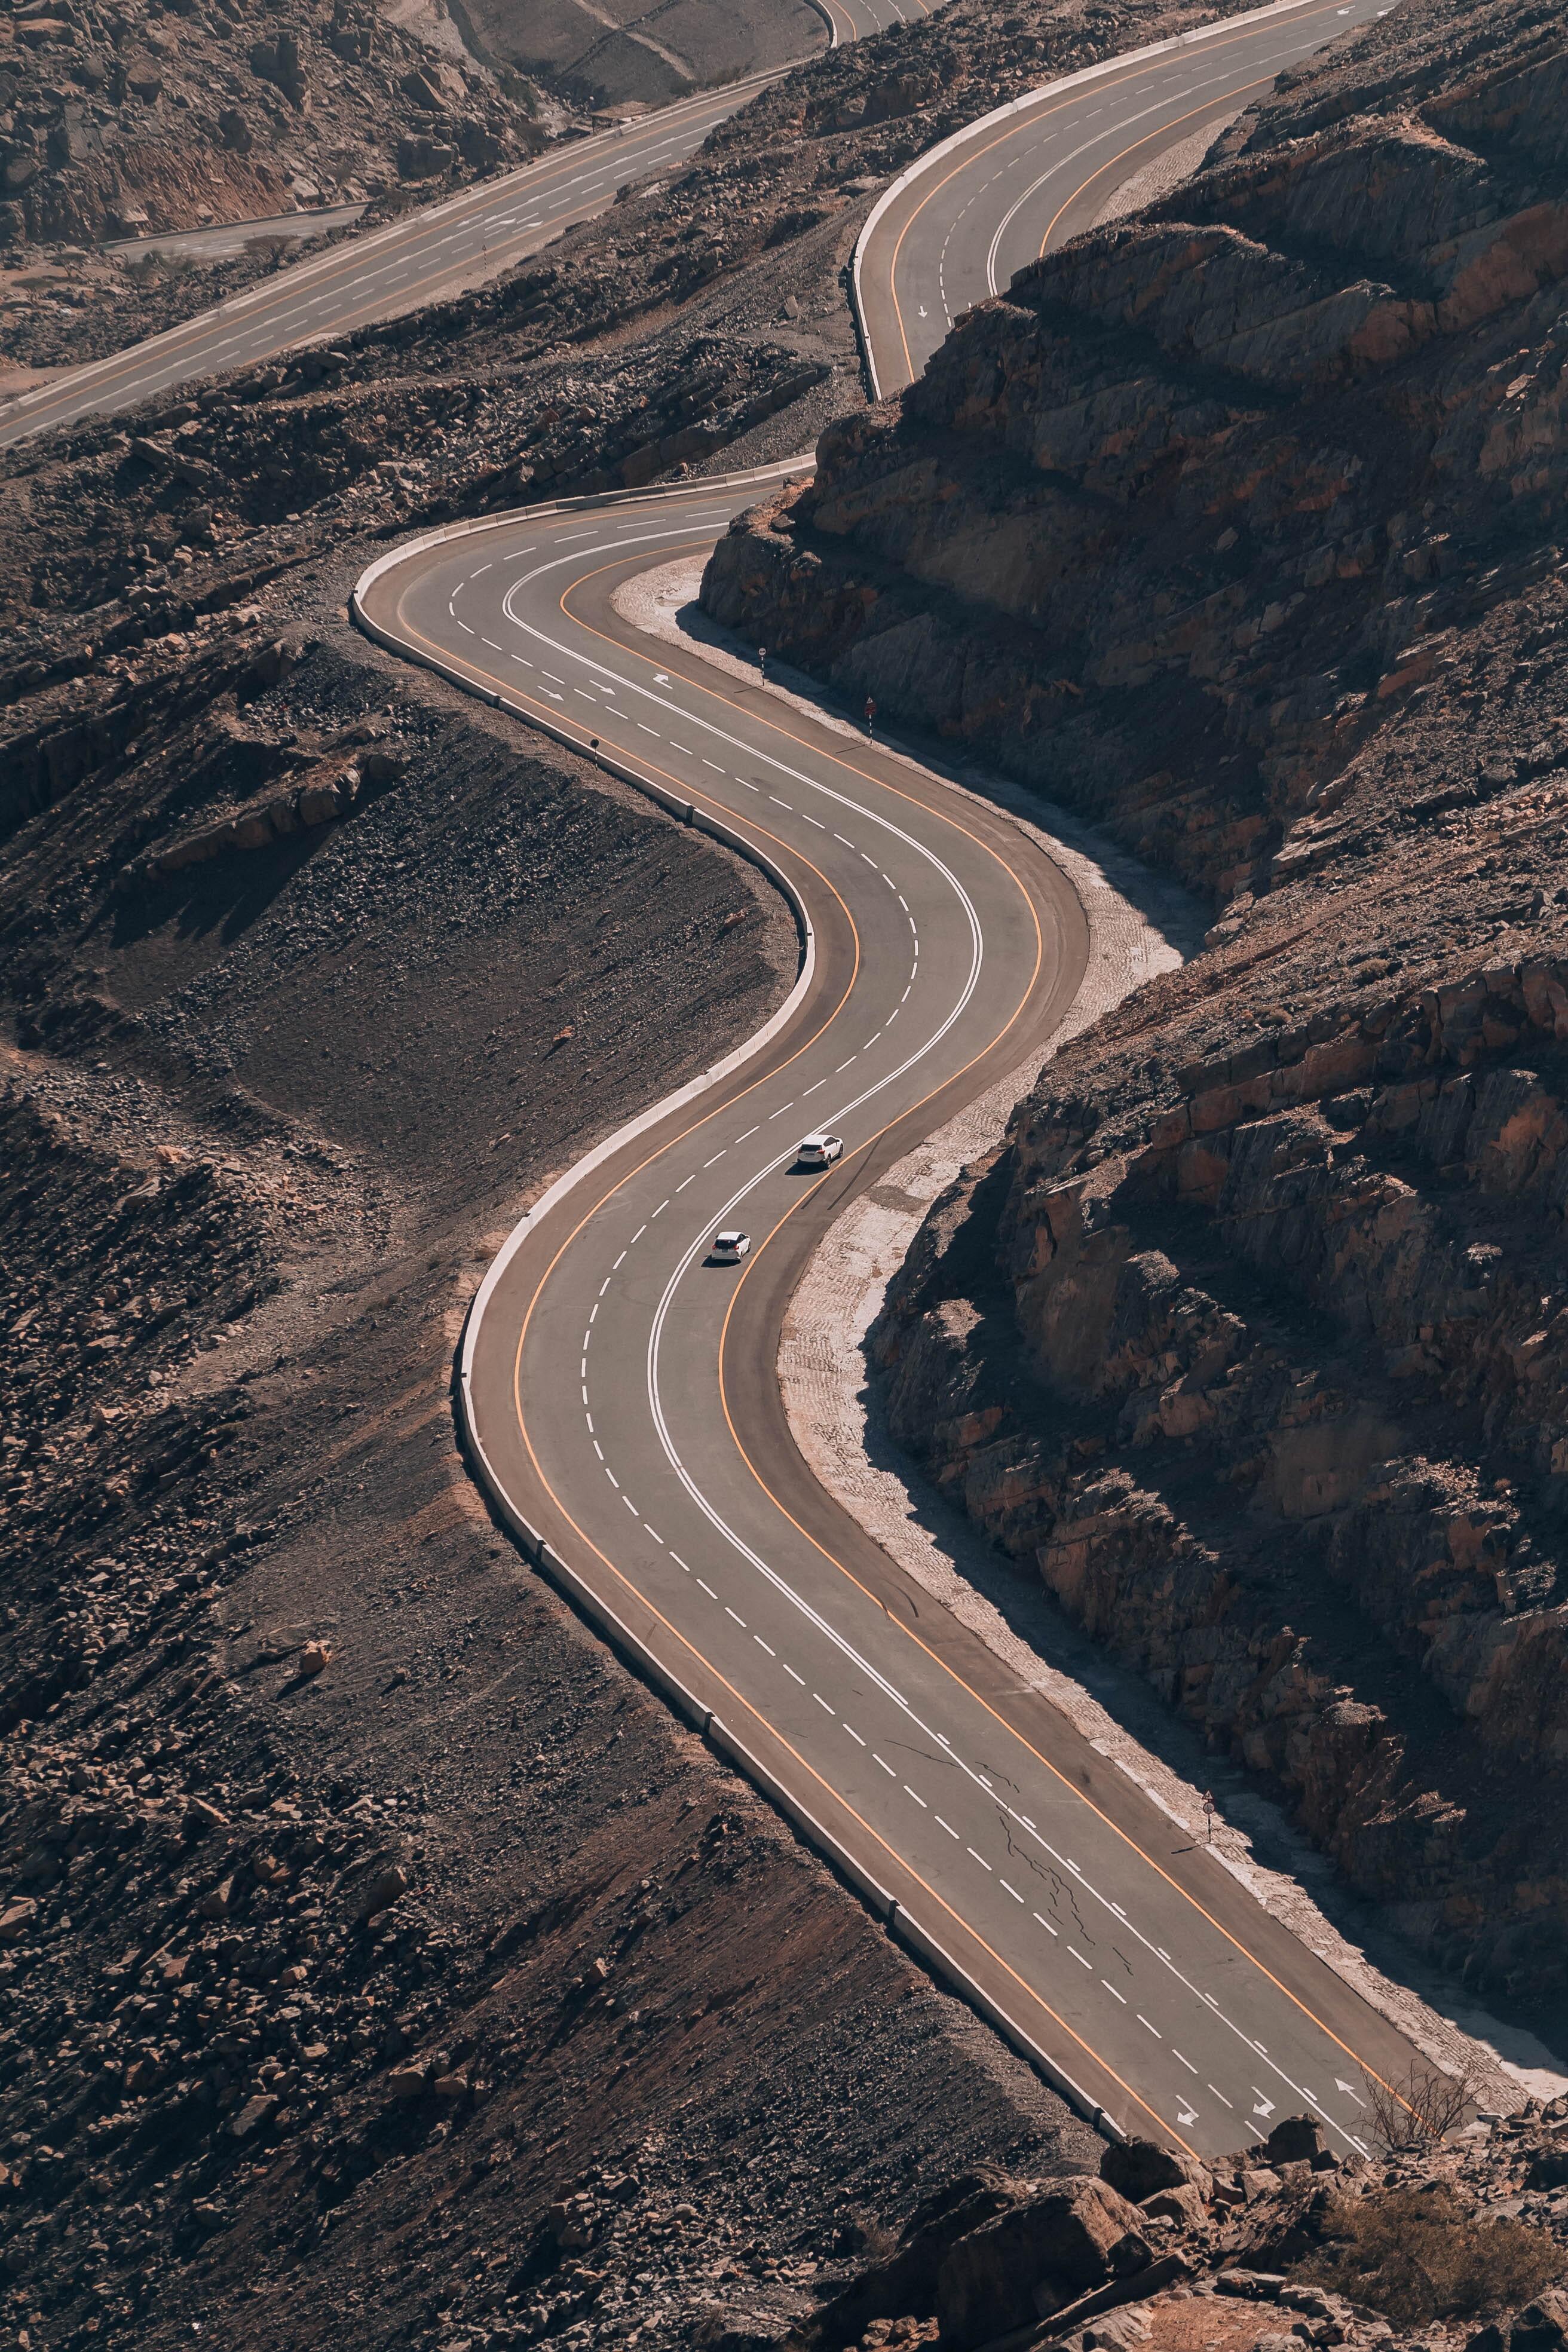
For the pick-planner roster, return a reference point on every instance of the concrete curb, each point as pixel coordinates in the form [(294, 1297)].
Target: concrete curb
[(945, 147)]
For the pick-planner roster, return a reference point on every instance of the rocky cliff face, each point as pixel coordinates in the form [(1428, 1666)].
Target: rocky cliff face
[(119, 118), (1188, 517), (1234, 524)]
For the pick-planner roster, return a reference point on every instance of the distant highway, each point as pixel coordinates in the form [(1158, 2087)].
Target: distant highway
[(441, 248), (623, 1392)]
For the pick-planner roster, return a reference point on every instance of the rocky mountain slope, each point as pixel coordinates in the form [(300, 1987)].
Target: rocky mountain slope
[(380, 1965), (643, 52), (130, 116), (1235, 525), (1283, 2247), (357, 1909)]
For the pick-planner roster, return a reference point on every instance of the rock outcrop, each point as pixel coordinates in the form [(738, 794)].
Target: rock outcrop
[(119, 120), (1191, 515), (1285, 2245), (1234, 525)]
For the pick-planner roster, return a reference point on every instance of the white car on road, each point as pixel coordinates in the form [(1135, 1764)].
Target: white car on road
[(728, 1249), (819, 1150)]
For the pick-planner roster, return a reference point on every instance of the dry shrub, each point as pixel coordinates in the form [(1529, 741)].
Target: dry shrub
[(1422, 2108), (1419, 2254)]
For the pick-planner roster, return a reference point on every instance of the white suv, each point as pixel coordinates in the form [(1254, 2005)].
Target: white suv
[(819, 1150), (728, 1249)]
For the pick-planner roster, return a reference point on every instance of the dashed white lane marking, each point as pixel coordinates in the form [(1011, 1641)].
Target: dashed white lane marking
[(1110, 1989), (790, 1670), (655, 1534), (1221, 2097), (1186, 2061), (739, 1621), (716, 1159), (630, 1505), (763, 1646), (750, 1132), (979, 1858), (679, 1561), (718, 771), (684, 749), (822, 1703), (917, 1796), (945, 1825), (1080, 1958), (612, 1477), (684, 1182), (659, 1210), (1154, 2030), (1047, 1927), (708, 1589), (1010, 1890), (817, 821), (778, 803), (885, 1765)]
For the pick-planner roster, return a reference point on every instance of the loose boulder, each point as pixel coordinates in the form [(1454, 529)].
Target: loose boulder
[(1028, 2261)]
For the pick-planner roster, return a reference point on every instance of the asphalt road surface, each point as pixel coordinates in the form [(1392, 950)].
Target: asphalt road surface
[(1006, 191), (441, 248), (624, 1386)]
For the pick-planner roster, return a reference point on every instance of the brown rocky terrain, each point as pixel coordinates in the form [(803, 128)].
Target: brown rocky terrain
[(1235, 525), (357, 1909), (1282, 2248), (381, 1964), (122, 115)]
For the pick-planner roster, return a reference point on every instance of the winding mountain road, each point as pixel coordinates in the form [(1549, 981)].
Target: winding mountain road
[(619, 1389), (621, 1394)]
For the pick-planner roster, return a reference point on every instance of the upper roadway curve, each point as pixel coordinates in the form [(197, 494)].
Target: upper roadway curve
[(623, 1395), (953, 228)]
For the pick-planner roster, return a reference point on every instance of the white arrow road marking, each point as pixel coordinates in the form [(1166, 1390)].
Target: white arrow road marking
[(1349, 2091), (1265, 2107), (1186, 2115)]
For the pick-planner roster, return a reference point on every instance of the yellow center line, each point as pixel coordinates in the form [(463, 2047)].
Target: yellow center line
[(849, 767), (1239, 89), (833, 1560)]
